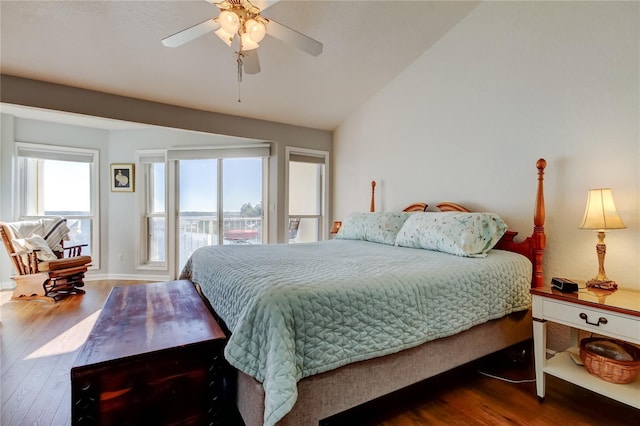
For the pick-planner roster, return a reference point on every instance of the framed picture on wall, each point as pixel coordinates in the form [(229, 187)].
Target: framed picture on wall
[(122, 177)]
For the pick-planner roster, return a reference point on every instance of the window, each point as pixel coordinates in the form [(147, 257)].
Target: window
[(61, 181), (307, 195), (153, 250), (216, 194)]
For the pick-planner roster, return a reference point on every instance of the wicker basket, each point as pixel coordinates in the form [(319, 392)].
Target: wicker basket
[(609, 369)]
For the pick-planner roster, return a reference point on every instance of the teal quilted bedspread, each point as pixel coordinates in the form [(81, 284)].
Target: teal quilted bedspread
[(295, 310)]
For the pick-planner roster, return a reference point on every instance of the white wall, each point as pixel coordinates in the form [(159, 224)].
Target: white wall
[(512, 82)]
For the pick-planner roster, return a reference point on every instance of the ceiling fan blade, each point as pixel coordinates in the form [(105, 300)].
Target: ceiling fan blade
[(251, 62), (263, 4), (191, 33), (293, 37)]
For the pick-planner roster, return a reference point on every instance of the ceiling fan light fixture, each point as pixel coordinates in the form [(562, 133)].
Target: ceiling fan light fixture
[(224, 36), (229, 21), (255, 29), (247, 42)]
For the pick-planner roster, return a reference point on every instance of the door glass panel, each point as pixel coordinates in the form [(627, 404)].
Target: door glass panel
[(242, 200), (197, 200)]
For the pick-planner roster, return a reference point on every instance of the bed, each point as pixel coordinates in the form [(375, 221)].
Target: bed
[(319, 328)]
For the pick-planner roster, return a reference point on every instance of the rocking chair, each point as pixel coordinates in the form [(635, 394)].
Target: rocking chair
[(38, 256)]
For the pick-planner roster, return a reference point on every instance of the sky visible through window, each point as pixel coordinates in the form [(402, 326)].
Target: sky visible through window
[(199, 181), (198, 185), (66, 186)]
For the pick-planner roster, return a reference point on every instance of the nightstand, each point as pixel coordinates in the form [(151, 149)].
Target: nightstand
[(614, 314)]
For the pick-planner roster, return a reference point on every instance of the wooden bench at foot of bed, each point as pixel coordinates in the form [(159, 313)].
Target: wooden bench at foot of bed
[(154, 356)]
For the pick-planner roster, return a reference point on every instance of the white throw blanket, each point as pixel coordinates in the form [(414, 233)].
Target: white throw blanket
[(53, 229)]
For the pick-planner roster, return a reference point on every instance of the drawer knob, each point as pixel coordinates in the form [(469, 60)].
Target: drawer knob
[(601, 320)]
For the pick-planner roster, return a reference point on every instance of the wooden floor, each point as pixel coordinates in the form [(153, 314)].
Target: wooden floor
[(40, 340)]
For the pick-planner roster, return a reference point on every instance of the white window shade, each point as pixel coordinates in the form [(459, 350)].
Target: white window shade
[(243, 151), (306, 158), (45, 152), (151, 157)]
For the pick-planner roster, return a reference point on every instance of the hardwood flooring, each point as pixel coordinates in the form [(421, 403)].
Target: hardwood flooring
[(465, 396), (40, 341)]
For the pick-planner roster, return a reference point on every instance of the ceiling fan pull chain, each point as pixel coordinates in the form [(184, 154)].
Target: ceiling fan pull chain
[(239, 61)]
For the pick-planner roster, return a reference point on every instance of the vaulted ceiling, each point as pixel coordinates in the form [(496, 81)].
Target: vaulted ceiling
[(115, 47)]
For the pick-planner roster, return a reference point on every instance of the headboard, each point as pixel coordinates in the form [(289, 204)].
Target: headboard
[(532, 246)]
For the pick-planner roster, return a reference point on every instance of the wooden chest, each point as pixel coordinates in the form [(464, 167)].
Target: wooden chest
[(154, 356)]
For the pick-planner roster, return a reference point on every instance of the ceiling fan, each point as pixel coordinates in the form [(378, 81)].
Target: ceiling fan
[(243, 18)]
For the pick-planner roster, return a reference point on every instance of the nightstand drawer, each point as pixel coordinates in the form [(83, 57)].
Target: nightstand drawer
[(615, 324)]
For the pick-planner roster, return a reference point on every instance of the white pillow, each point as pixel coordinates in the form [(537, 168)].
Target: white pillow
[(377, 227), (35, 242), (462, 234)]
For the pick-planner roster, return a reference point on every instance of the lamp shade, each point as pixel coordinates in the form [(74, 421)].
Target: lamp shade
[(255, 29), (247, 43), (601, 212), (229, 21), (224, 36)]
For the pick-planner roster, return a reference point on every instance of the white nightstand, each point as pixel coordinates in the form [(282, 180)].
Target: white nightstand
[(613, 314)]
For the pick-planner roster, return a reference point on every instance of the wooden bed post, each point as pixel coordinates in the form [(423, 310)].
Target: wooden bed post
[(373, 190), (539, 238)]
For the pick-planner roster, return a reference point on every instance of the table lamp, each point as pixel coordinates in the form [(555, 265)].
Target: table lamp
[(601, 214)]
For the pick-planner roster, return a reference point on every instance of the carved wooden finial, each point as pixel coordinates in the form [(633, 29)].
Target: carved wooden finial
[(539, 216), (541, 164), (373, 190)]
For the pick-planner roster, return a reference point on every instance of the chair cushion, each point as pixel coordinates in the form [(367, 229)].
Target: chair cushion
[(58, 264), (34, 242)]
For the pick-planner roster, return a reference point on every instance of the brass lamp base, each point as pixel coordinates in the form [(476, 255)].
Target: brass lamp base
[(601, 280), (603, 284)]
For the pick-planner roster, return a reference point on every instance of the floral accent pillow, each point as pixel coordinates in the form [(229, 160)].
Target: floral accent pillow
[(377, 227), (462, 234)]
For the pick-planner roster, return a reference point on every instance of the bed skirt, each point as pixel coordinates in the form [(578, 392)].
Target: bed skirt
[(335, 391)]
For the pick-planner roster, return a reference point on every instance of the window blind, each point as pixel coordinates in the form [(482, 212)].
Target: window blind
[(261, 150), (46, 152), (306, 158)]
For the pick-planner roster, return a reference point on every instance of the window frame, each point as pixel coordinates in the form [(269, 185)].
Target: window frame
[(61, 153), (144, 160)]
